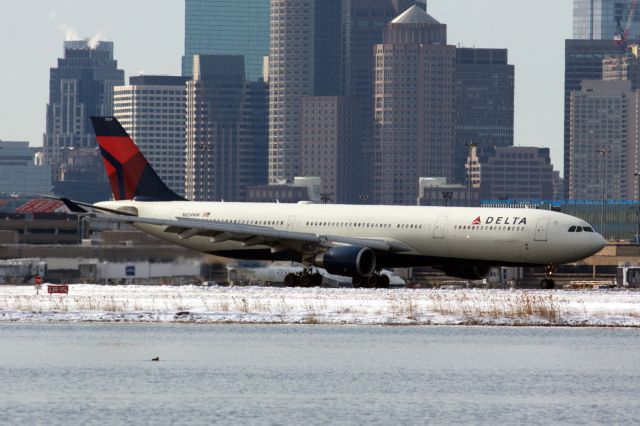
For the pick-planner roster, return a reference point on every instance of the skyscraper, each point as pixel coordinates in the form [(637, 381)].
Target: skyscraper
[(18, 172), (330, 149), (603, 144), (583, 61), (513, 172), (307, 57), (226, 130), (484, 96), (222, 27), (152, 110), (413, 106), (79, 87), (368, 19), (599, 19)]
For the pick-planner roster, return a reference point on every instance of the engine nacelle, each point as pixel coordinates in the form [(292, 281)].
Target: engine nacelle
[(473, 272), (347, 261)]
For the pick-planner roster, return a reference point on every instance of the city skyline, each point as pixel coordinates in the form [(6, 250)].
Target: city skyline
[(156, 45)]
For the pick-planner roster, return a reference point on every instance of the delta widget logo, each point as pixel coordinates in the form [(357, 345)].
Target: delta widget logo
[(500, 220)]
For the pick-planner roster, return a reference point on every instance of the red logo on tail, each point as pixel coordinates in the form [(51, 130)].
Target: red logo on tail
[(476, 221)]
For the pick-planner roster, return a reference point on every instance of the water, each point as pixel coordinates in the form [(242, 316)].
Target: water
[(97, 374)]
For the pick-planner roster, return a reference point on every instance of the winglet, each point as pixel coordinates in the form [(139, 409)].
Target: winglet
[(73, 207)]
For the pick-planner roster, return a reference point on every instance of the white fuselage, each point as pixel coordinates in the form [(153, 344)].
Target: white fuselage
[(500, 235)]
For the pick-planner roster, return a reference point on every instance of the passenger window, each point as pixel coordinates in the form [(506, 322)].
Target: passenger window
[(572, 229)]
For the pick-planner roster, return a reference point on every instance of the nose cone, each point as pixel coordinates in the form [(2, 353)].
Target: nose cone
[(598, 242)]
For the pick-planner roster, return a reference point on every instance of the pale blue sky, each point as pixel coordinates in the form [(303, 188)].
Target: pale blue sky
[(149, 36)]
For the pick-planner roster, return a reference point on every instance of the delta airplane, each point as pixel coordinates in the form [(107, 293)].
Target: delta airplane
[(355, 241)]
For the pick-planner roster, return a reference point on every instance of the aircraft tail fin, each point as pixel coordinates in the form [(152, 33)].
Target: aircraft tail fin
[(130, 174)]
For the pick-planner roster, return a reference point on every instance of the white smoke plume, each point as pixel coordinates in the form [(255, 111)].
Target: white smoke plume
[(93, 41), (70, 33)]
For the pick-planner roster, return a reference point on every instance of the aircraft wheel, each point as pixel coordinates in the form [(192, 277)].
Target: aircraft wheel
[(316, 279), (384, 281), (547, 283), (373, 281), (306, 280), (356, 281), (291, 280)]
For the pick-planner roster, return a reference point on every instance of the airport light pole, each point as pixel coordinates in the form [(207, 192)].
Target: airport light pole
[(447, 195), (637, 175), (603, 153), (325, 197), (469, 145)]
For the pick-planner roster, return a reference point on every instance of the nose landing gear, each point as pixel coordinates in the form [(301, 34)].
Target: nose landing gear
[(547, 282)]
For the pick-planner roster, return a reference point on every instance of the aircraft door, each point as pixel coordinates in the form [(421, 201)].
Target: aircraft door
[(438, 230), (291, 222), (541, 230)]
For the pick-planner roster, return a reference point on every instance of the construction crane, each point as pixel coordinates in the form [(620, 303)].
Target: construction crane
[(622, 32)]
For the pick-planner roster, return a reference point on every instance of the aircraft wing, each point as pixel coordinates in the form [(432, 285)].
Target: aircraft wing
[(250, 235)]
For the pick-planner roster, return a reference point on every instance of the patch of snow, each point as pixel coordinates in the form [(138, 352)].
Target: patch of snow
[(93, 303)]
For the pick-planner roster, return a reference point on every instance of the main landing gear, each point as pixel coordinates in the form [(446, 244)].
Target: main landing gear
[(376, 280), (547, 282), (306, 278)]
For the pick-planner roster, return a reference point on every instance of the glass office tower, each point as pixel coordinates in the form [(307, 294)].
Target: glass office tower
[(222, 27), (79, 87), (597, 19)]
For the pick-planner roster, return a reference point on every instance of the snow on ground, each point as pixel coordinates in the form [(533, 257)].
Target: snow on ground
[(322, 306)]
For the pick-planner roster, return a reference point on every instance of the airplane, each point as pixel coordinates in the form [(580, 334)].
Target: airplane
[(354, 241)]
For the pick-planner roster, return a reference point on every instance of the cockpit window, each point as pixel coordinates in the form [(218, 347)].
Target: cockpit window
[(587, 229), (572, 229), (578, 228)]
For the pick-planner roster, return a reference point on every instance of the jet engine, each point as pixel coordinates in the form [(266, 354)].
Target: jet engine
[(471, 272), (348, 261)]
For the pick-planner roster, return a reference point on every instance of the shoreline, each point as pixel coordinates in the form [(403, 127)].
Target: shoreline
[(7, 319)]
